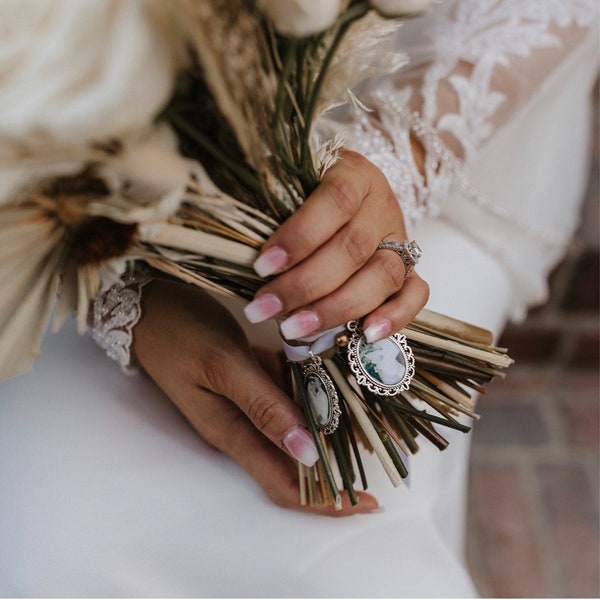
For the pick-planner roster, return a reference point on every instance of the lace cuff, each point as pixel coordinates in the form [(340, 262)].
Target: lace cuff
[(115, 314)]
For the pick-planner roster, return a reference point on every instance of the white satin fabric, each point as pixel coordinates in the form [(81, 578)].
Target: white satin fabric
[(107, 491)]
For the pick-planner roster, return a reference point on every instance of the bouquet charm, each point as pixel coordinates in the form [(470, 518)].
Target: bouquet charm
[(385, 367)]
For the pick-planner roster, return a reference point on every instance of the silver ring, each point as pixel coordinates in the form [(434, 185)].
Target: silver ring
[(409, 252)]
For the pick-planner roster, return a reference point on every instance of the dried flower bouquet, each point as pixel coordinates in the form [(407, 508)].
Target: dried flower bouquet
[(256, 81)]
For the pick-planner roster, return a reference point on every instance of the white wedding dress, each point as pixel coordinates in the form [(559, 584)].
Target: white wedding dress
[(107, 491)]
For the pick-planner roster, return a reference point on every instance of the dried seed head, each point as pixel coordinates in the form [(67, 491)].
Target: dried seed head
[(91, 240), (99, 239)]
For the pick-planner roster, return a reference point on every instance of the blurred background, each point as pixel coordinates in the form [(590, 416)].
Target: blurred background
[(534, 485)]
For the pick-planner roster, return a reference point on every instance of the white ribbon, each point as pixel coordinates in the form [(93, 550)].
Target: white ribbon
[(312, 345)]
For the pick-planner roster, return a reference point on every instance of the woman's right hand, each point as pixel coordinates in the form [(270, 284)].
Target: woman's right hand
[(199, 356)]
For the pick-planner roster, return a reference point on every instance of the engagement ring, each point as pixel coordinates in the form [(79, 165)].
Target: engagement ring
[(409, 252)]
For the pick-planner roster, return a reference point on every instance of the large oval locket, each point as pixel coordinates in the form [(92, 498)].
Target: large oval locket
[(385, 367)]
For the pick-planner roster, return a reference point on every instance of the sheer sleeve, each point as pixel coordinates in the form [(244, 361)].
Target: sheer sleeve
[(497, 94), (487, 60)]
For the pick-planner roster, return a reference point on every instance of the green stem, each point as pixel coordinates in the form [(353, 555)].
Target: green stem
[(409, 410), (281, 147), (343, 466), (288, 64), (349, 430), (355, 12), (245, 175)]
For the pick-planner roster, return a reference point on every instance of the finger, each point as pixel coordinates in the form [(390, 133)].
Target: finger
[(398, 311), (279, 477), (321, 274), (382, 277), (335, 201), (214, 355), (224, 426), (268, 408), (331, 265), (273, 363)]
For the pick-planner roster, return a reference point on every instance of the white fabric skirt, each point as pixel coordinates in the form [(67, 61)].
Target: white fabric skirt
[(107, 491)]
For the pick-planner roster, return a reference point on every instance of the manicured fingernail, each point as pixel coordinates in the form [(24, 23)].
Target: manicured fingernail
[(262, 308), (271, 261), (379, 329), (300, 444), (300, 324)]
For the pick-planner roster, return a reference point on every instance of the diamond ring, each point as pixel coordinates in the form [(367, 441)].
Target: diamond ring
[(409, 252)]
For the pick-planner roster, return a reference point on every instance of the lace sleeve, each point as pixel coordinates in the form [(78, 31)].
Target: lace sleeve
[(115, 314), (481, 61), (473, 65), (497, 92)]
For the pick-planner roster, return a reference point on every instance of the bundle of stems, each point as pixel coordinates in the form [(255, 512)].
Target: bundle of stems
[(453, 360)]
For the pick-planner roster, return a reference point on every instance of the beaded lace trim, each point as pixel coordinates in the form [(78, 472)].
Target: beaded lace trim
[(443, 169), (116, 312)]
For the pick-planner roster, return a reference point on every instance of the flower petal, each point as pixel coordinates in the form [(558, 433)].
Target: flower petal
[(30, 260)]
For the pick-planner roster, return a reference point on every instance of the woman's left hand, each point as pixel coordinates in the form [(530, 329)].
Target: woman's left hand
[(326, 260)]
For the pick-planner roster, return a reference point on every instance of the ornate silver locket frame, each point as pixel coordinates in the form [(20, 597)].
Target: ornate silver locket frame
[(322, 396), (385, 367)]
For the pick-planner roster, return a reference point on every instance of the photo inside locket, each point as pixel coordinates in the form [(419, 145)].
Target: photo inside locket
[(382, 361), (319, 399)]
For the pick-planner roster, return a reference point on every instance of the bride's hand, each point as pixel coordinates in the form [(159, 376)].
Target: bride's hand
[(199, 356), (328, 270)]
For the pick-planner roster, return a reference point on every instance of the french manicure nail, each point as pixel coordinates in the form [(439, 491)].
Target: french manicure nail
[(270, 261), (262, 308), (300, 325), (300, 444), (379, 329)]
